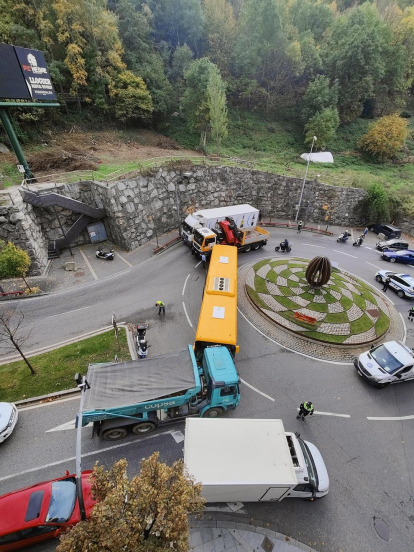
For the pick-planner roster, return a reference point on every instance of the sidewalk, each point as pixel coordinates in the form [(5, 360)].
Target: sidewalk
[(231, 535)]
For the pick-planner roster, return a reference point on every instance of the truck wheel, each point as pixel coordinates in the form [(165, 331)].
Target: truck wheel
[(114, 434), (378, 279), (400, 293), (143, 427), (247, 248), (256, 246), (213, 413)]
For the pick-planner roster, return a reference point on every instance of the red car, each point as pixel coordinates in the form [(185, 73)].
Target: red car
[(41, 512)]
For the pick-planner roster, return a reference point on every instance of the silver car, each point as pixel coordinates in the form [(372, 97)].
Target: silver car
[(396, 244)]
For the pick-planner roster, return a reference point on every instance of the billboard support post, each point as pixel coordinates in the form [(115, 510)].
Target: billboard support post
[(15, 144)]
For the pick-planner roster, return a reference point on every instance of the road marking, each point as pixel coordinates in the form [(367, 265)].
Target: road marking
[(311, 245), (69, 312), (188, 318), (106, 278), (405, 328), (178, 436), (375, 266), (293, 350), (123, 259), (347, 254), (88, 264), (63, 427), (92, 453), (391, 419), (185, 283), (330, 414), (198, 264), (366, 247), (257, 390)]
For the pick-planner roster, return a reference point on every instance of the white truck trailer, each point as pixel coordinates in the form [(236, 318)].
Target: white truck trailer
[(243, 460), (245, 216)]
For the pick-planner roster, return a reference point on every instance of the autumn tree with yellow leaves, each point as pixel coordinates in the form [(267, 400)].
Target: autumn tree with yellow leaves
[(148, 513), (385, 137)]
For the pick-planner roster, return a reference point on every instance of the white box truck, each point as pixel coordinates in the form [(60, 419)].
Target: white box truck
[(245, 216), (243, 460), (391, 362)]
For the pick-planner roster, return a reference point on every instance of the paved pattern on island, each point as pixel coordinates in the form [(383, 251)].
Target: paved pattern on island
[(348, 309)]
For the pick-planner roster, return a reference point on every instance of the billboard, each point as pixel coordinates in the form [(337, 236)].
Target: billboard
[(12, 83), (35, 72)]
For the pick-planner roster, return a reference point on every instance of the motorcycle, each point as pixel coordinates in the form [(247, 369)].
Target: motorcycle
[(106, 255), (359, 241), (283, 246), (142, 344), (343, 237)]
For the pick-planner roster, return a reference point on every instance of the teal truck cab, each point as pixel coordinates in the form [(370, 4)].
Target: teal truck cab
[(141, 395)]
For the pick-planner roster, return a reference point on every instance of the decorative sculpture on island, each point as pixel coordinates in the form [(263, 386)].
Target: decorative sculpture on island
[(318, 272)]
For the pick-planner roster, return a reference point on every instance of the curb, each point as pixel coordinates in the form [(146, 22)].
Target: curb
[(243, 523)]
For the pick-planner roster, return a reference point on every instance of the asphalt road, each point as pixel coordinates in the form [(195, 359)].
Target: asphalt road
[(369, 462)]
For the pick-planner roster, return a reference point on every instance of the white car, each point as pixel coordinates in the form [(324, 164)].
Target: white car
[(402, 284), (8, 419)]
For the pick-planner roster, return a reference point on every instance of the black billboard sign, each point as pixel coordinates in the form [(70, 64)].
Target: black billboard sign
[(12, 83), (38, 81)]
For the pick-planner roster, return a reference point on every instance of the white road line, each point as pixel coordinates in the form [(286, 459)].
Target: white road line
[(178, 436), (123, 259), (92, 453), (63, 427), (331, 414), (114, 275), (198, 264), (293, 350), (375, 266), (366, 247), (405, 328), (347, 254), (311, 245), (69, 312), (185, 283), (390, 419), (188, 318), (88, 264), (257, 390)]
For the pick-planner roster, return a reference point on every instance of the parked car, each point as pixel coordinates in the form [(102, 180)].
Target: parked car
[(396, 244), (388, 230), (41, 512), (8, 419), (406, 256), (402, 284)]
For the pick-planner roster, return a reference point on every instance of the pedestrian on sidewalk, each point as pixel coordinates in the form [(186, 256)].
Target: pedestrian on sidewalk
[(305, 409), (300, 226), (161, 307), (386, 284), (365, 231), (203, 259), (411, 314)]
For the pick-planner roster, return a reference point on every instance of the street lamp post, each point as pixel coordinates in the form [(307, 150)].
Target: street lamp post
[(83, 386), (304, 179)]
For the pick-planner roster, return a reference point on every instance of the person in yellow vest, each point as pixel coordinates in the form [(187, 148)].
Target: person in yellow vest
[(161, 307), (305, 409)]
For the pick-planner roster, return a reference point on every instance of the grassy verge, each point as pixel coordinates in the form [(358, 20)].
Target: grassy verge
[(55, 370)]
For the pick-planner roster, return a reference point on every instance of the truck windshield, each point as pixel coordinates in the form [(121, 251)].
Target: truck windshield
[(385, 359), (187, 228), (312, 473), (198, 238)]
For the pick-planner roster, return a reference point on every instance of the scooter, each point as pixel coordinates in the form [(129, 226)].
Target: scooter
[(343, 237), (359, 241), (142, 344), (106, 255), (283, 246)]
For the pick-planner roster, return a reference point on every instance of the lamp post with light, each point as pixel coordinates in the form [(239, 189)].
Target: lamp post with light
[(304, 179)]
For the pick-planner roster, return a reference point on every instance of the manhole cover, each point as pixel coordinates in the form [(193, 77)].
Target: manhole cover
[(267, 544), (382, 529)]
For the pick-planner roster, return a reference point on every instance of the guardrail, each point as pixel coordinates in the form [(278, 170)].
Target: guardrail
[(294, 227), (167, 245)]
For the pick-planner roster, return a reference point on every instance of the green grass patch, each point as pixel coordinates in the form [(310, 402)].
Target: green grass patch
[(286, 291), (276, 263), (260, 264), (361, 325), (55, 370), (330, 298), (271, 276), (307, 296), (286, 302), (255, 297), (345, 302), (382, 324), (325, 337), (318, 307), (336, 318), (285, 273), (369, 296), (260, 285), (360, 301)]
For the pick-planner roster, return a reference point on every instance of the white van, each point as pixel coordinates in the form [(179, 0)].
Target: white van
[(391, 362)]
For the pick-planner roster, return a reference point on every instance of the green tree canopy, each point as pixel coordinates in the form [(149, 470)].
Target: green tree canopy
[(323, 125), (132, 100)]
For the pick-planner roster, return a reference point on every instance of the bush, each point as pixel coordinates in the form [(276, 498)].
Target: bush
[(377, 204), (385, 137), (405, 115)]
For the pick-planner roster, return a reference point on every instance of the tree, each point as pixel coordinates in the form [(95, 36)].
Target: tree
[(182, 59), (14, 263), (376, 204), (323, 125), (132, 100), (220, 32), (319, 96), (216, 92), (10, 323), (385, 137), (145, 514)]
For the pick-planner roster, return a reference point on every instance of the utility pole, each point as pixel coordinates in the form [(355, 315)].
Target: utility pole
[(83, 386), (304, 179)]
